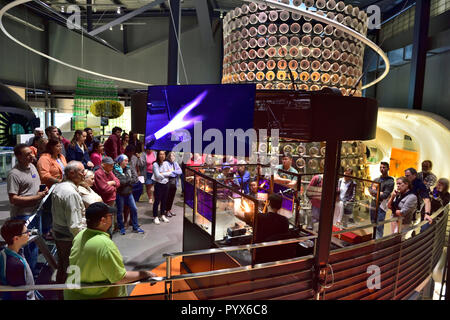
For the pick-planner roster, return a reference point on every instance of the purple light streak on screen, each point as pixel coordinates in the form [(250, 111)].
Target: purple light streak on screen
[(178, 122)]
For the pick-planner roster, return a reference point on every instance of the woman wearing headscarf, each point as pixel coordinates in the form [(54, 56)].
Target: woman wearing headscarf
[(124, 194)]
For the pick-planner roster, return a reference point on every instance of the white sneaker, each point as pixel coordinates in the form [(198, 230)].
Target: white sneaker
[(163, 217), (156, 220)]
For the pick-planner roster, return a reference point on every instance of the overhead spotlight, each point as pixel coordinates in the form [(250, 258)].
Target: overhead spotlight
[(118, 10), (110, 28), (62, 9), (121, 27), (221, 14)]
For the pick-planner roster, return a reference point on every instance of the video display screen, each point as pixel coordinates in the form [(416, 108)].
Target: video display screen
[(221, 107)]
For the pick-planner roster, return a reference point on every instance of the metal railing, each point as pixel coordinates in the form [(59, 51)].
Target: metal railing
[(169, 278)]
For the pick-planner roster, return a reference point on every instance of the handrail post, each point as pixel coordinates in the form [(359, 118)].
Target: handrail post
[(168, 283), (328, 196)]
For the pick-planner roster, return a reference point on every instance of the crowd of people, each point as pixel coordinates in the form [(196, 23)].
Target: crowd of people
[(412, 198), (93, 188), (76, 175)]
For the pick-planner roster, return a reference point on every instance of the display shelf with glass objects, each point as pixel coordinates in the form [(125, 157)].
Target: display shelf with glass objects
[(309, 158), (267, 46)]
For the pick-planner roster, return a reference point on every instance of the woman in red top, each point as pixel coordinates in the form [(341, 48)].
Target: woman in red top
[(97, 153), (124, 141), (150, 158)]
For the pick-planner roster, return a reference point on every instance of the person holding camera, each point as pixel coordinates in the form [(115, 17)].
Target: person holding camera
[(25, 193)]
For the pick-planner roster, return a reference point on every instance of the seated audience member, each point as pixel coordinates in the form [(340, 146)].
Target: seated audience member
[(88, 195), (97, 154), (253, 188), (68, 213), (99, 259), (196, 160), (24, 196), (226, 177), (51, 164), (440, 197), (105, 182), (209, 165), (14, 269), (428, 177), (403, 203), (125, 194), (242, 178), (285, 179), (78, 151)]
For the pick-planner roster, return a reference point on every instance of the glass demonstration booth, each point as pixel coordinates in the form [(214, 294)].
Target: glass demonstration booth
[(219, 211)]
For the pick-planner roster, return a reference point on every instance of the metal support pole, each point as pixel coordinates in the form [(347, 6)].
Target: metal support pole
[(419, 54), (125, 39), (174, 36), (89, 15), (168, 282), (327, 203)]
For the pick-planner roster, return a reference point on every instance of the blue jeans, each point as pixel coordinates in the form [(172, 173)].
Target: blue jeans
[(380, 218), (137, 191), (31, 251), (129, 201)]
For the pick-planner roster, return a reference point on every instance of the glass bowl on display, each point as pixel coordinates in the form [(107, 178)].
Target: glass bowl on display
[(313, 151), (300, 163), (301, 150), (313, 164), (288, 149), (270, 75)]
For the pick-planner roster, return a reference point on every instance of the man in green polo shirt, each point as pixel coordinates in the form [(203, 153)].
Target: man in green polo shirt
[(99, 259)]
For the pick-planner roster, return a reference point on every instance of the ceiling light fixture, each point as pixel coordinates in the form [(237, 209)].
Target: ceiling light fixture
[(118, 10), (121, 27), (62, 9)]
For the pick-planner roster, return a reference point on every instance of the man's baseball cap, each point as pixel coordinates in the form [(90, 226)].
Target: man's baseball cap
[(97, 210), (107, 160)]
